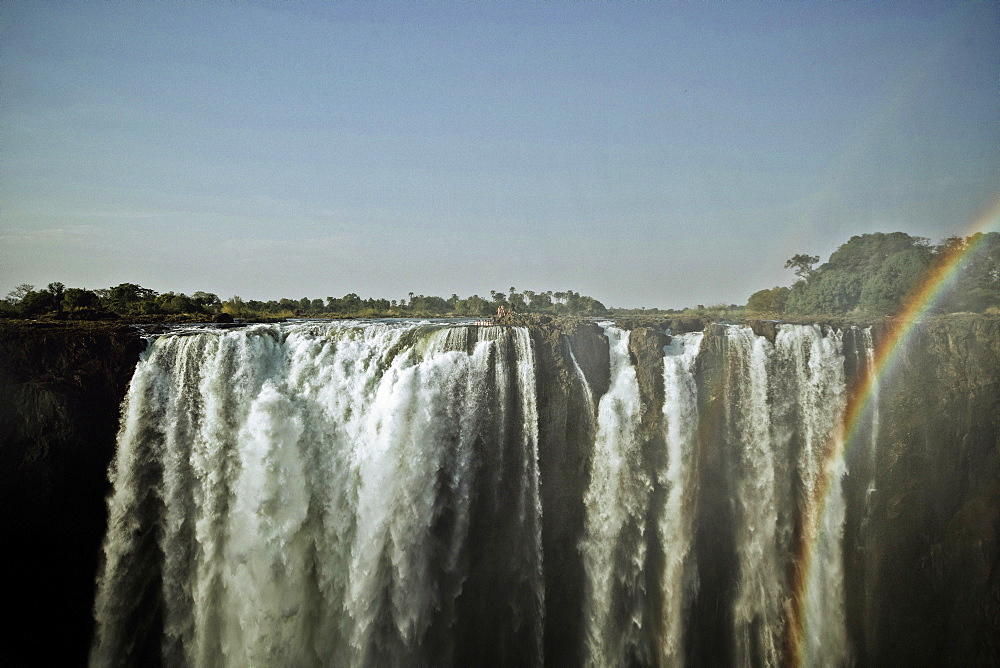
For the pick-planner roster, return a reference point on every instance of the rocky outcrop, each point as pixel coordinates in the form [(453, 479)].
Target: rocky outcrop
[(565, 427), (60, 391), (923, 548), (711, 613)]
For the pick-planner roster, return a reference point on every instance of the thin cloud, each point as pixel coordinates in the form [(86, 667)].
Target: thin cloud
[(63, 233)]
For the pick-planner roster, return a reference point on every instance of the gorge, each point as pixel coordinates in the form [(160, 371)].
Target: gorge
[(581, 493)]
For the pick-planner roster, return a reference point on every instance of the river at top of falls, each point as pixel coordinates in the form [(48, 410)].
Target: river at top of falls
[(369, 493)]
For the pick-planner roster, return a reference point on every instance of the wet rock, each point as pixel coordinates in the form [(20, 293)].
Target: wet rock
[(766, 328)]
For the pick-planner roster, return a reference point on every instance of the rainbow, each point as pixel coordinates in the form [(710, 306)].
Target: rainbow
[(886, 355)]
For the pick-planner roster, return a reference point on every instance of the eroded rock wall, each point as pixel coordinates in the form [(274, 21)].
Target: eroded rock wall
[(60, 392), (923, 549)]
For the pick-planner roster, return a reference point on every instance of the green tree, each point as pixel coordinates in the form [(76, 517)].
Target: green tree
[(590, 306), (886, 291), (866, 253), (837, 285), (826, 292), (18, 293), (38, 302), (540, 302), (169, 302), (80, 298), (473, 306), (802, 264), (976, 286), (517, 302), (235, 307), (768, 301), (208, 301), (350, 303), (129, 298)]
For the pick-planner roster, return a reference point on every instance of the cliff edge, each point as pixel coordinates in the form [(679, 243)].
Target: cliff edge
[(60, 391)]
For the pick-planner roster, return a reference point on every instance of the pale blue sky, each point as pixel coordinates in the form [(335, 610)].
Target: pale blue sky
[(654, 154)]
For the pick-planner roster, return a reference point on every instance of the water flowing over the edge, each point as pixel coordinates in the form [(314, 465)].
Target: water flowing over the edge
[(782, 403), (316, 491), (369, 494), (614, 551)]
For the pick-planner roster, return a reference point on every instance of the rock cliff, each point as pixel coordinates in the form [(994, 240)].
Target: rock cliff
[(923, 529), (60, 391)]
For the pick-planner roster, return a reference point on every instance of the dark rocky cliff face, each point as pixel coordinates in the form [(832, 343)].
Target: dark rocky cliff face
[(563, 425), (60, 392), (923, 533), (922, 536)]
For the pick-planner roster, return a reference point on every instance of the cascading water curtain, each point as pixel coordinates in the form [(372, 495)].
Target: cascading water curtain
[(784, 404), (614, 550), (358, 494), (326, 495), (679, 479)]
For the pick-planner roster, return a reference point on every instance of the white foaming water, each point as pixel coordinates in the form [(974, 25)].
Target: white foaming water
[(757, 608), (357, 494), (818, 363), (785, 411), (616, 501), (680, 424), (312, 486), (873, 404), (587, 393)]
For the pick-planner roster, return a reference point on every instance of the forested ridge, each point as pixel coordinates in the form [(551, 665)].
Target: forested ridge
[(133, 301), (873, 274), (870, 275)]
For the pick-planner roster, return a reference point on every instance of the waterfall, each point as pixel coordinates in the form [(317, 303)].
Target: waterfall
[(584, 385), (614, 551), (363, 493), (867, 461), (785, 402), (757, 610), (319, 494), (680, 422), (869, 352), (817, 361)]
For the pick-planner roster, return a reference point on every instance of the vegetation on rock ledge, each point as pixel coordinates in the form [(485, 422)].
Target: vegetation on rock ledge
[(874, 274)]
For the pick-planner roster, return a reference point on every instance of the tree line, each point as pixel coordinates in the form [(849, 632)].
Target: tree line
[(132, 300), (874, 274), (871, 274)]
